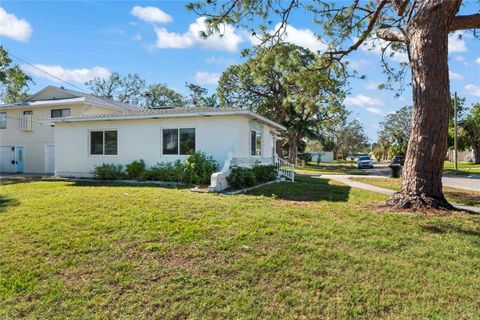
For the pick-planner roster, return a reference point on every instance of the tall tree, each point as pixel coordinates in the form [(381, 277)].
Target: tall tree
[(347, 138), (420, 28), (14, 82), (395, 129), (199, 96), (471, 129), (277, 82), (160, 95), (128, 89)]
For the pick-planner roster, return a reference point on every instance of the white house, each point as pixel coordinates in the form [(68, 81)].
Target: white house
[(27, 143), (230, 136)]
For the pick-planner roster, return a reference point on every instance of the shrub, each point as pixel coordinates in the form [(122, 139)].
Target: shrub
[(241, 178), (165, 172), (199, 168), (307, 157), (264, 173), (109, 172), (136, 169)]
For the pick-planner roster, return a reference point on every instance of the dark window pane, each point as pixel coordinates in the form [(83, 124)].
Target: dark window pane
[(3, 120), (111, 143), (259, 144), (170, 141), (253, 137), (58, 113), (28, 112), (187, 141), (96, 142)]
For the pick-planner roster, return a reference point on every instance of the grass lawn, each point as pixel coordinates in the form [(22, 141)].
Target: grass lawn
[(464, 168), (331, 168), (312, 249), (467, 197)]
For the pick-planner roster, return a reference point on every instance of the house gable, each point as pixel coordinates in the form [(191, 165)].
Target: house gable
[(51, 93)]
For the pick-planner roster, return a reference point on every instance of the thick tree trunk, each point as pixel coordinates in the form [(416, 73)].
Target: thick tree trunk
[(428, 49), (292, 149), (476, 153)]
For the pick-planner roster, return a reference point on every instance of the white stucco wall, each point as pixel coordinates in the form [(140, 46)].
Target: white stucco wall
[(42, 134), (142, 139)]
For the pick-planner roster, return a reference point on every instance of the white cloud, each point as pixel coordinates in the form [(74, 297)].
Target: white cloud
[(456, 42), (76, 75), (375, 110), (207, 77), (359, 63), (478, 60), (372, 85), (455, 76), (362, 100), (460, 58), (473, 90), (301, 37), (14, 28), (228, 41), (137, 37), (151, 14)]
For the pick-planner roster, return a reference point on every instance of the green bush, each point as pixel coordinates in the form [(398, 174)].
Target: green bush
[(307, 157), (136, 169), (240, 178), (109, 172), (264, 173), (199, 168), (165, 172)]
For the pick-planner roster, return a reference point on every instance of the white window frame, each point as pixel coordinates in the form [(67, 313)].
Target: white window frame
[(257, 132), (177, 128), (103, 151)]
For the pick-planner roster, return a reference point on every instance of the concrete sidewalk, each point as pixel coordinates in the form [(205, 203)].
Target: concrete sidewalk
[(345, 179)]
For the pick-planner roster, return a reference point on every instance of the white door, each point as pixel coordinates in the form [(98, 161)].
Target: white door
[(7, 159), (49, 158)]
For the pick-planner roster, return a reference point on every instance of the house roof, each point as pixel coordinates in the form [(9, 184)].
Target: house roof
[(68, 96), (142, 113)]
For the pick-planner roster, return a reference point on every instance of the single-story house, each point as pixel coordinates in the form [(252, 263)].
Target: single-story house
[(230, 136)]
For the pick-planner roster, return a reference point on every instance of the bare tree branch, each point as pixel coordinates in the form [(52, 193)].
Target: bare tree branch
[(390, 34)]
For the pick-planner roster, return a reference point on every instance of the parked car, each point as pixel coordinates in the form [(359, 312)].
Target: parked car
[(364, 162), (397, 160)]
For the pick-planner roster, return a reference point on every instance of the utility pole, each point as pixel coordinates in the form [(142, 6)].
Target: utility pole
[(455, 142)]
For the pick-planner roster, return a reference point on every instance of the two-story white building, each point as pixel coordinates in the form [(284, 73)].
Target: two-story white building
[(26, 143)]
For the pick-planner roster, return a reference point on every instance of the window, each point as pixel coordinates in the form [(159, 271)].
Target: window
[(256, 142), (3, 120), (103, 142), (28, 113), (60, 113), (178, 141)]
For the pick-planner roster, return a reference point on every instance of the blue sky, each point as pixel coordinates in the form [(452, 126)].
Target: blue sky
[(78, 40)]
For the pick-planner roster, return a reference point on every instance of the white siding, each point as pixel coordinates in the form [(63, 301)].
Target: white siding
[(141, 139)]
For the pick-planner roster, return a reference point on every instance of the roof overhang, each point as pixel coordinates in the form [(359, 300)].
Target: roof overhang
[(119, 117)]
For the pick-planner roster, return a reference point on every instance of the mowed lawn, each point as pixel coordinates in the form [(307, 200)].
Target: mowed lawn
[(467, 197), (465, 168), (312, 249)]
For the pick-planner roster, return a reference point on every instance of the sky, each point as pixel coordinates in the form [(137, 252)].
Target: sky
[(79, 40)]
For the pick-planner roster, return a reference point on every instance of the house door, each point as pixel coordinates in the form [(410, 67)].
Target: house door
[(49, 158), (7, 159), (19, 156)]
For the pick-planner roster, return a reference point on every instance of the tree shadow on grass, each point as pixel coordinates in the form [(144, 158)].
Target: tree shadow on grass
[(305, 189), (447, 228), (7, 202)]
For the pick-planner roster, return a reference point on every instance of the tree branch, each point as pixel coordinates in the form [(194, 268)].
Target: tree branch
[(389, 34), (465, 22)]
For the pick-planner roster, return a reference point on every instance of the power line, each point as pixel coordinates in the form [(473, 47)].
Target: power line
[(47, 73)]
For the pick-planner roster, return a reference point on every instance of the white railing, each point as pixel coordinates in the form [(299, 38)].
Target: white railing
[(26, 122), (285, 168), (218, 180)]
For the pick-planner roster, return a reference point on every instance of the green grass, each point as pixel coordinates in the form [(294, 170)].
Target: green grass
[(467, 197), (312, 249), (331, 168), (464, 168)]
